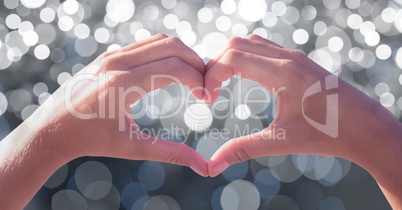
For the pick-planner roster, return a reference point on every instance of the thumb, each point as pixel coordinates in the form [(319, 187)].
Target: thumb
[(244, 148)]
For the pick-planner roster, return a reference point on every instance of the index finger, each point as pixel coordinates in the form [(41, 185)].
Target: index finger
[(268, 72)]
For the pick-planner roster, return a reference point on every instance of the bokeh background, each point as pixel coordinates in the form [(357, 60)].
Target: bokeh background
[(43, 43)]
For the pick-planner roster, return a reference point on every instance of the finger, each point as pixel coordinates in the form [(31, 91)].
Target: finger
[(258, 38), (135, 45), (245, 148), (158, 50), (242, 44), (261, 47), (157, 149), (159, 74), (269, 72)]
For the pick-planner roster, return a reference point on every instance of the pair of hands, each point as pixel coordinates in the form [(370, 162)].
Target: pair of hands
[(254, 58)]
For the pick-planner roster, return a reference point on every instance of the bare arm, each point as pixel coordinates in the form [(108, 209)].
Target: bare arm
[(87, 117), (353, 126)]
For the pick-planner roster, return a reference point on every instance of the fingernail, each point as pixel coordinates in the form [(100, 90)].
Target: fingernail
[(219, 168)]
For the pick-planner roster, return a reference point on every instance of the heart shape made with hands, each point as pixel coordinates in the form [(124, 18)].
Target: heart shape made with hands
[(172, 113)]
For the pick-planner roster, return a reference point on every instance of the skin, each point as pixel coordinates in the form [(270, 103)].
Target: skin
[(368, 134), (44, 142), (52, 136)]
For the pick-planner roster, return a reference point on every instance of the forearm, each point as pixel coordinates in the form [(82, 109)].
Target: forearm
[(27, 159)]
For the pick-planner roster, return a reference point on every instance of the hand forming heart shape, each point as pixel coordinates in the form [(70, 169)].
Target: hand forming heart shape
[(307, 122)]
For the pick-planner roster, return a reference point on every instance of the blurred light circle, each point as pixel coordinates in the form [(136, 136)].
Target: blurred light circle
[(242, 112), (25, 27), (383, 52), (170, 21), (214, 42), (332, 4), (323, 166), (82, 31), (335, 44), (181, 9), (151, 175), (151, 12), (266, 183), (269, 19), (47, 33), (188, 37), (239, 29), (113, 47), (42, 52), (331, 203), (93, 179), (18, 99), (372, 38), (279, 8), (399, 102), (86, 47), (281, 202), (300, 36), (13, 21), (3, 103), (354, 21), (45, 97), (261, 32), (11, 4), (292, 15), (142, 34), (286, 171), (57, 55), (70, 7), (66, 23), (131, 194), (398, 58), (320, 28), (252, 10), (47, 15), (30, 38), (162, 202), (240, 194), (389, 15), (356, 54), (366, 27), (228, 7), (205, 15), (352, 4), (309, 12), (236, 171), (14, 54), (387, 99), (335, 175), (39, 88), (201, 50), (198, 117), (223, 23), (102, 35), (169, 4), (206, 146), (183, 26), (33, 4), (120, 10), (63, 77), (68, 199), (368, 60)]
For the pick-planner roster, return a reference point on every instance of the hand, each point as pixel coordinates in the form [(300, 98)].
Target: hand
[(102, 97), (360, 118)]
